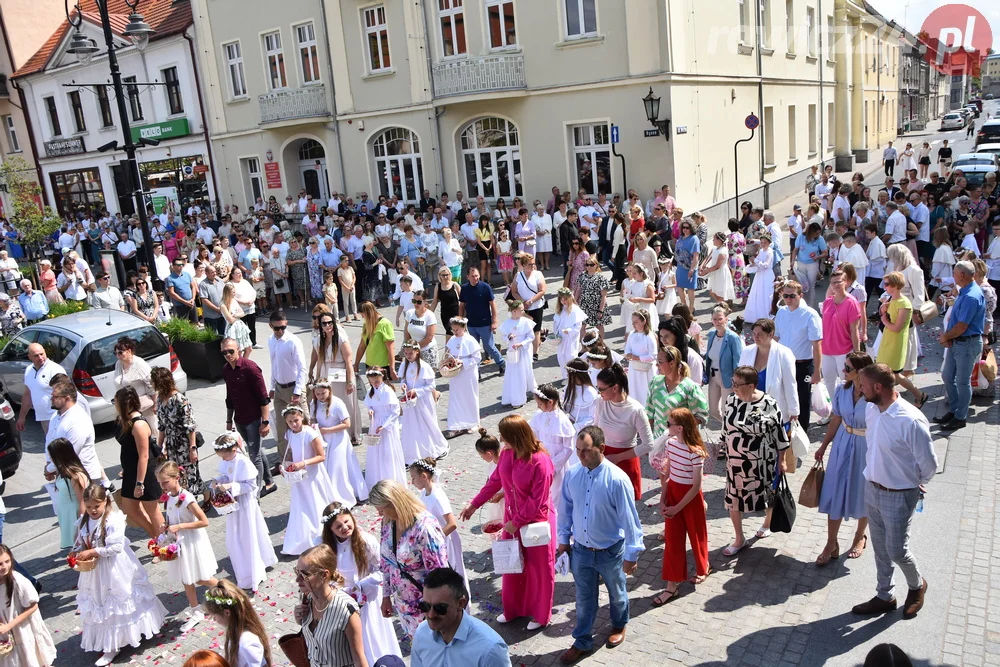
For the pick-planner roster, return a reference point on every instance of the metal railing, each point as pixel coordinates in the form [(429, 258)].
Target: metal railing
[(293, 103), (479, 74)]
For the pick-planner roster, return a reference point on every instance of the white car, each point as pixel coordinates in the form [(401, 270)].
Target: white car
[(953, 121), (989, 148), (977, 158)]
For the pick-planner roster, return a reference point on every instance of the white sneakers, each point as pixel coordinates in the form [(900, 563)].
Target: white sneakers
[(106, 659), (195, 617), (534, 625), (501, 619)]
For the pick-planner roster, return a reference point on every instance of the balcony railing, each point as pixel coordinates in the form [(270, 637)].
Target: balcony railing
[(479, 75), (282, 105)]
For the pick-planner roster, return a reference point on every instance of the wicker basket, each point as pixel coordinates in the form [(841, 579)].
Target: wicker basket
[(640, 366), (6, 648), (86, 565), (451, 371), (370, 440)]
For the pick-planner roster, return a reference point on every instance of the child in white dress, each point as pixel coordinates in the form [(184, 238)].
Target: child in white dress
[(384, 460), (488, 448), (422, 474), (311, 487), (666, 292), (579, 396), (247, 540), (358, 562), (567, 325), (554, 429), (640, 351), (186, 521), (116, 602), (519, 377), (247, 644), (21, 619), (463, 397), (419, 419), (333, 423)]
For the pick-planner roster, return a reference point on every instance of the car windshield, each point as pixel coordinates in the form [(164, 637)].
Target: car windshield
[(99, 358), (975, 160), (975, 178)]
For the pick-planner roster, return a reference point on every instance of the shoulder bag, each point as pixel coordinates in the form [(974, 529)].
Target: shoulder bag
[(783, 514), (520, 274), (294, 646)]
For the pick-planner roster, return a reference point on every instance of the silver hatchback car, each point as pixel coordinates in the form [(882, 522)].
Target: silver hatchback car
[(84, 344)]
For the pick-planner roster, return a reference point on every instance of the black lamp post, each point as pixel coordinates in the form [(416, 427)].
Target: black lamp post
[(652, 104), (139, 32)]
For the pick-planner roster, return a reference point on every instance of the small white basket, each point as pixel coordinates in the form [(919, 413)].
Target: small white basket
[(228, 508), (293, 476), (407, 403), (640, 366), (371, 440)]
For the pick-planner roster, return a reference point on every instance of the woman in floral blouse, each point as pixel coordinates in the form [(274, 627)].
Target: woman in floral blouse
[(412, 545), (737, 245), (177, 430)]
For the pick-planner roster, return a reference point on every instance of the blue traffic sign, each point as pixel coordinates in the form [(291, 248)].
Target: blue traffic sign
[(614, 134), (752, 122)]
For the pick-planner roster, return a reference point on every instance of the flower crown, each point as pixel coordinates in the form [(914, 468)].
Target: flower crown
[(226, 441), (322, 384), (293, 408), (587, 342), (425, 466), (410, 345), (225, 602), (376, 371), (461, 321)]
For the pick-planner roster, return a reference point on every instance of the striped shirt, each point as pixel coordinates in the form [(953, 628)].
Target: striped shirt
[(327, 642), (683, 461)]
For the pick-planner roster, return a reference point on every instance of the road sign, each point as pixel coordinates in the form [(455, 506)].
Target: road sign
[(752, 122), (614, 134)]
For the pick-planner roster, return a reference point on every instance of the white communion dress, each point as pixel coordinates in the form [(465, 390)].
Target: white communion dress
[(720, 281), (643, 346), (463, 389), (581, 410), (567, 325), (556, 431), (33, 645), (384, 460), (377, 633), (247, 540), (519, 377), (342, 466), (421, 436), (196, 559), (762, 289), (310, 495), (437, 503)]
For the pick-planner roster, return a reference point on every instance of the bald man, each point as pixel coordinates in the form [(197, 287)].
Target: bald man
[(37, 391)]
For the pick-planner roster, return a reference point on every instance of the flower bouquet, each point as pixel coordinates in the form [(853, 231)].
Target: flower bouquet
[(358, 595), (223, 501), (164, 548)]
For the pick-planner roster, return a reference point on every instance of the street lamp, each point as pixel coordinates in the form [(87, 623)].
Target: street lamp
[(652, 104), (138, 32)]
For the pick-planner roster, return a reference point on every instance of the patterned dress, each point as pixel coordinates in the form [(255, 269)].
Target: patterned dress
[(315, 275), (659, 403), (591, 287), (175, 419), (741, 279), (422, 548), (753, 436), (577, 267), (298, 271)]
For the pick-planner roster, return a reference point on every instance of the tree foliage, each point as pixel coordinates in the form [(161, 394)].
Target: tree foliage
[(34, 222)]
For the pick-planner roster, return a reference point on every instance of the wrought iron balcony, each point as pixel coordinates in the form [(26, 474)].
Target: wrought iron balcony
[(282, 105), (479, 75)]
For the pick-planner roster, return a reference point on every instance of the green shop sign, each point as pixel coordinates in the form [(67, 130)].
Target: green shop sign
[(159, 131)]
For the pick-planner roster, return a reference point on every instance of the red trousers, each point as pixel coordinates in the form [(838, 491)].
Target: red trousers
[(632, 468), (690, 521)]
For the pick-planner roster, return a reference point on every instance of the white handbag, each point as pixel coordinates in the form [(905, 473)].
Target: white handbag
[(536, 534)]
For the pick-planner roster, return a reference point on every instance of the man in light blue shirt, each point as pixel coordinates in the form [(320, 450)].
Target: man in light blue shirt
[(800, 328), (597, 509), (450, 637), (964, 340), (34, 305), (329, 255)]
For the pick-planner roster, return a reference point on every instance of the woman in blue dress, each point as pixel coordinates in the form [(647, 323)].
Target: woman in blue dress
[(14, 248), (843, 493), (686, 255)]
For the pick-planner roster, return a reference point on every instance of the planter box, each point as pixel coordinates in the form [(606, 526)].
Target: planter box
[(201, 360)]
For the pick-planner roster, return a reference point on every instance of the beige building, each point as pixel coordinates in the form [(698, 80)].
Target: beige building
[(25, 24), (506, 98)]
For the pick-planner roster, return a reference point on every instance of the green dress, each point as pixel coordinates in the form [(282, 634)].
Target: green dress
[(892, 348), (659, 403), (66, 512)]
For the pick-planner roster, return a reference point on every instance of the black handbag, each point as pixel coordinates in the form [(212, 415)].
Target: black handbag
[(783, 512)]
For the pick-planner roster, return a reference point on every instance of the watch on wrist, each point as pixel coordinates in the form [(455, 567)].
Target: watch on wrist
[(265, 422), (140, 484)]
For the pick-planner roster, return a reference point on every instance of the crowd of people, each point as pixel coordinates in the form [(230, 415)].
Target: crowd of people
[(562, 496)]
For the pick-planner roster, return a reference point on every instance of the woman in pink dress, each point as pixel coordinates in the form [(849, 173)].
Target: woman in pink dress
[(577, 263), (525, 474)]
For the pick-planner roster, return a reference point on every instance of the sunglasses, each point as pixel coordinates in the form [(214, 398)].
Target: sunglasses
[(417, 302), (227, 353), (788, 296), (601, 390), (279, 328), (328, 323), (440, 608), (848, 369), (302, 574)]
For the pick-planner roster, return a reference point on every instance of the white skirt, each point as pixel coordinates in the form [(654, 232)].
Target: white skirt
[(423, 435), (310, 496), (463, 399), (196, 560), (342, 466), (248, 543), (720, 282), (385, 460), (543, 243), (519, 377)]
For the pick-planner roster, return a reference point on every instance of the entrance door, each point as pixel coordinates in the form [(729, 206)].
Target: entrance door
[(314, 179)]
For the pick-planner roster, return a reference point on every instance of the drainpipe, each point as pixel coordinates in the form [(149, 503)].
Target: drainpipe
[(333, 96), (204, 120), (436, 126), (760, 93), (822, 111)]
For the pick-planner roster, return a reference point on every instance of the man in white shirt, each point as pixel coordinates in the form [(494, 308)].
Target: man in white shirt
[(889, 156), (921, 217), (799, 328), (205, 233), (899, 462), (404, 269), (842, 206), (161, 264), (458, 204), (877, 260), (303, 203), (72, 421), (356, 244), (226, 228), (777, 238), (589, 219), (823, 190), (895, 225), (37, 392), (106, 295), (334, 202), (650, 203), (288, 375), (795, 226)]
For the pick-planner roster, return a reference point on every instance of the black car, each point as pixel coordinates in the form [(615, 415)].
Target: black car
[(989, 133)]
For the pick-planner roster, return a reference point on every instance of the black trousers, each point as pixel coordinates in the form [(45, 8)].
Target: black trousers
[(873, 287), (803, 373), (889, 165), (250, 319)]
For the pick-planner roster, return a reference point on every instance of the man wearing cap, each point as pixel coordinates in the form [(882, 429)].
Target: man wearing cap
[(34, 305), (37, 392), (106, 295), (795, 223)]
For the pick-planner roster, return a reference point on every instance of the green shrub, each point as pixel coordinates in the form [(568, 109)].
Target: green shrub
[(176, 329), (67, 308)]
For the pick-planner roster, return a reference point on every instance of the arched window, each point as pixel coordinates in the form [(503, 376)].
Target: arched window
[(310, 150), (492, 157), (399, 164)]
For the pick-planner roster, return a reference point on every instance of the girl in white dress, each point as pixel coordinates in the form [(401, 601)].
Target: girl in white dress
[(116, 602), (233, 313), (20, 620), (567, 324), (312, 490), (640, 294), (554, 429), (247, 539), (463, 396), (666, 293), (640, 350), (423, 473), (358, 562), (186, 521), (579, 396), (385, 459), (716, 267), (333, 424), (519, 378), (247, 644), (762, 289), (419, 407)]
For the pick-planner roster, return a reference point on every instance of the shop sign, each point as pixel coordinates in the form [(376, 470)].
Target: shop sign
[(272, 173), (201, 169), (60, 147), (160, 131)]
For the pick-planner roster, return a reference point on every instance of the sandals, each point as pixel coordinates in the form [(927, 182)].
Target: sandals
[(920, 403), (700, 578), (763, 533), (665, 597), (732, 550), (824, 558), (856, 551)]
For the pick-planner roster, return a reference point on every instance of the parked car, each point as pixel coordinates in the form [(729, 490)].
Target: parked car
[(978, 103), (975, 174), (953, 121), (989, 148), (84, 344), (974, 109), (967, 159), (989, 133)]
